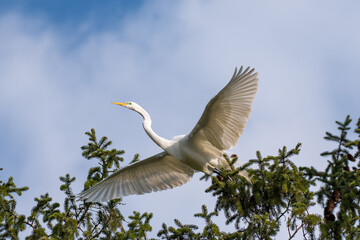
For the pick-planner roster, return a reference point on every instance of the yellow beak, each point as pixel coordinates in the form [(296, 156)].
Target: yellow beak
[(119, 103)]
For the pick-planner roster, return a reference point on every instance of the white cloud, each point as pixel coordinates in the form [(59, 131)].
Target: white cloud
[(172, 59)]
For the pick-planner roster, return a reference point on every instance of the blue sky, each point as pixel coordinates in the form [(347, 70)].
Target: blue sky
[(61, 13), (61, 65)]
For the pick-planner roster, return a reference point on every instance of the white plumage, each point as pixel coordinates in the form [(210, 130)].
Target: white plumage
[(218, 129)]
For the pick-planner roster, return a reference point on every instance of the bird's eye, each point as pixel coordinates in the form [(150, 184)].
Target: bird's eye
[(129, 103)]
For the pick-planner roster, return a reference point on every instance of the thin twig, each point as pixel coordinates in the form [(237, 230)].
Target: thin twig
[(282, 214), (293, 235)]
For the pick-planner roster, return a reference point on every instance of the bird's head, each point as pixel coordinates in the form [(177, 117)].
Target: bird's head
[(129, 105), (135, 107)]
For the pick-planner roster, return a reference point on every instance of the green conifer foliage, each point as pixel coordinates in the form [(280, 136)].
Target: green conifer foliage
[(279, 192), (74, 220), (339, 192)]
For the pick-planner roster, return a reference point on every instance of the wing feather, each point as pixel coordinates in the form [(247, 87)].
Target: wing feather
[(159, 172), (225, 116)]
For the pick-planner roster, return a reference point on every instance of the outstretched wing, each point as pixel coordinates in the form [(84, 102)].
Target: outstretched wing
[(156, 173), (225, 116)]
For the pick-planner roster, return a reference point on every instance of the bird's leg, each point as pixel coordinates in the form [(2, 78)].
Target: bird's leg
[(219, 176), (217, 171)]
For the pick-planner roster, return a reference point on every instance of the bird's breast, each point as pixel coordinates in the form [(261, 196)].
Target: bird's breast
[(197, 156)]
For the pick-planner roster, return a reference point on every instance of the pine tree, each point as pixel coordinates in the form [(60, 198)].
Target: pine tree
[(280, 192)]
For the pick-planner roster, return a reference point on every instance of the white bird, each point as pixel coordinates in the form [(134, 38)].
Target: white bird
[(219, 128)]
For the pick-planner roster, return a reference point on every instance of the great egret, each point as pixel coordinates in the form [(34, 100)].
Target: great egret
[(218, 129)]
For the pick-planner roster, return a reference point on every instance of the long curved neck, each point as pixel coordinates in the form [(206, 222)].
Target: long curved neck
[(160, 141)]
